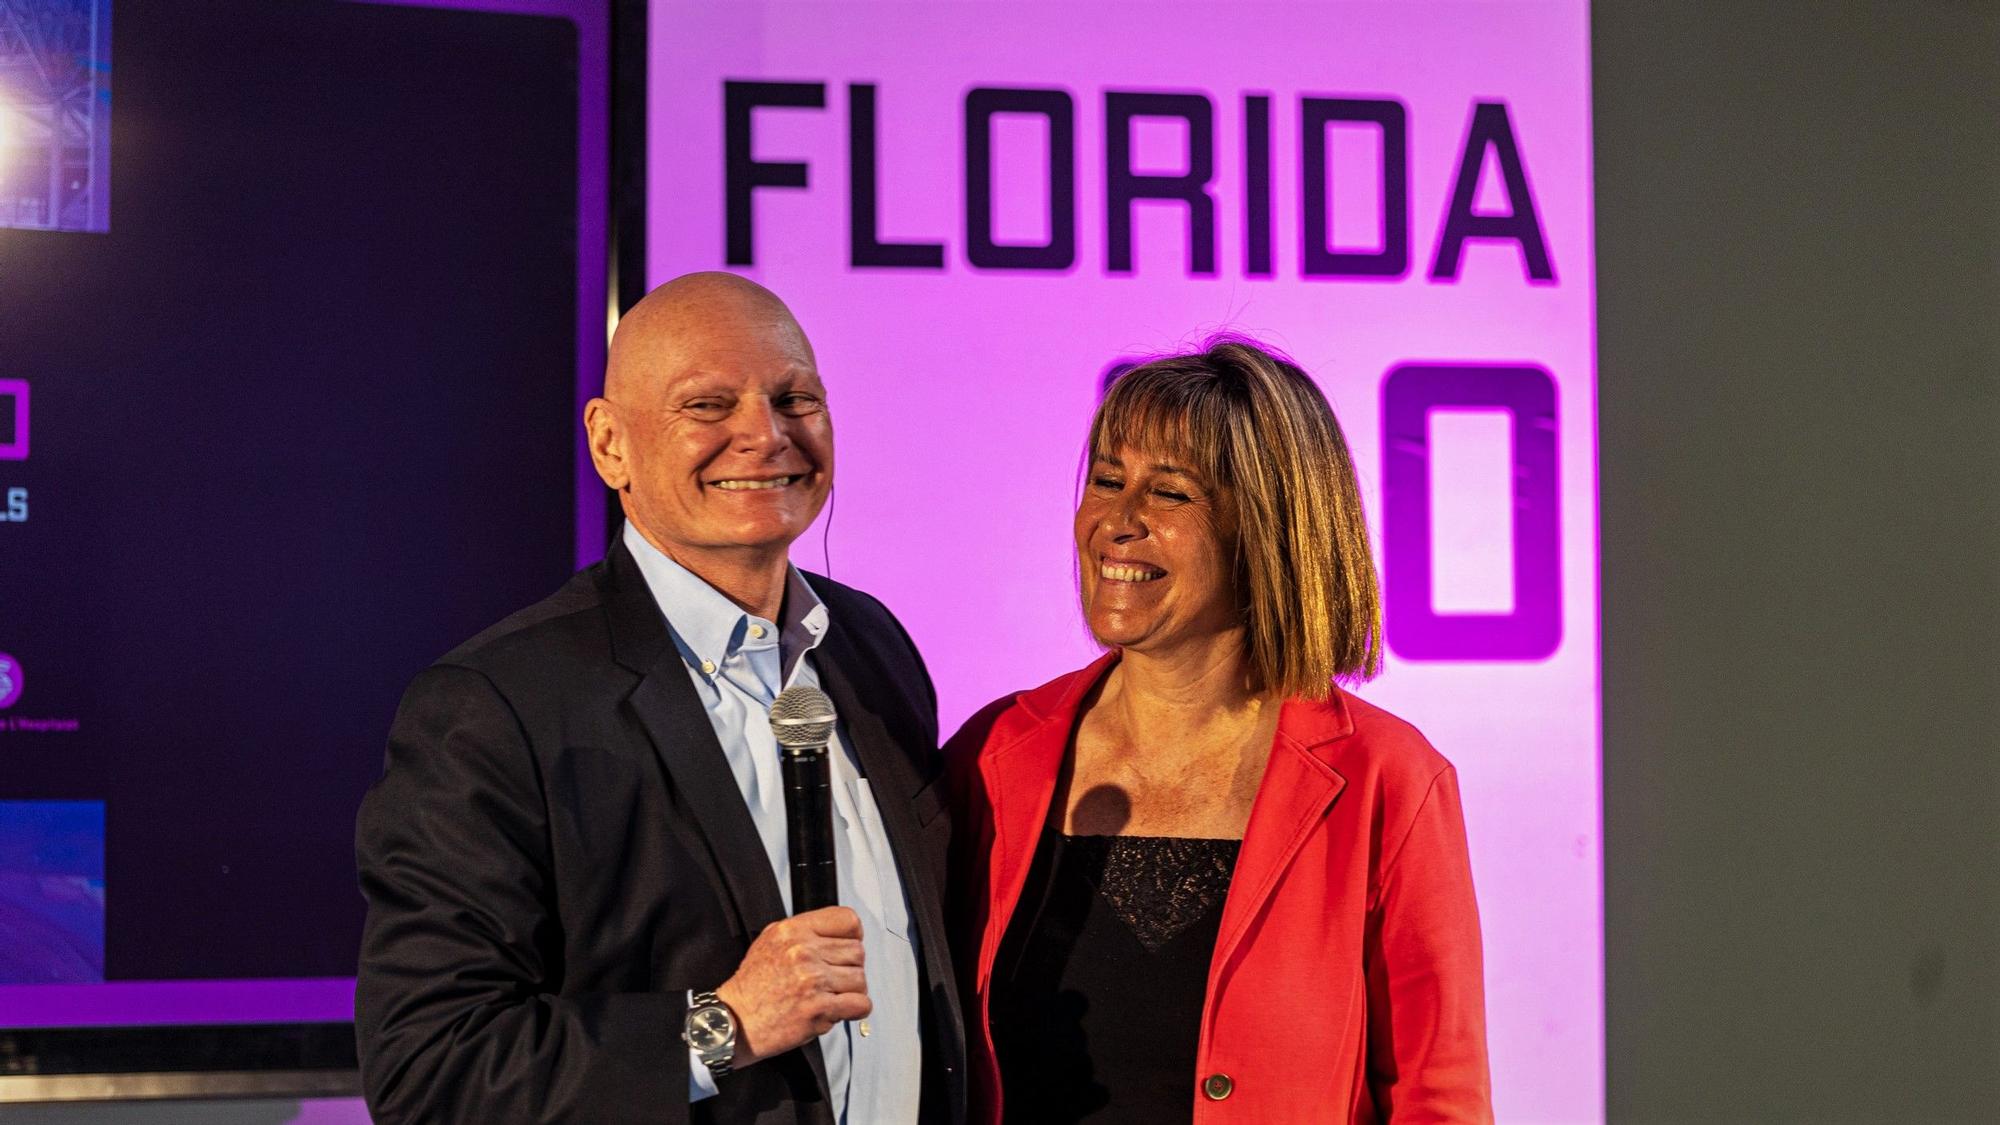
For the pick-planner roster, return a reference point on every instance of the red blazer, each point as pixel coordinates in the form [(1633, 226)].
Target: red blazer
[(1345, 984)]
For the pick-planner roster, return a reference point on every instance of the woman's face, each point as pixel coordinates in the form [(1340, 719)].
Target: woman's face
[(1155, 546)]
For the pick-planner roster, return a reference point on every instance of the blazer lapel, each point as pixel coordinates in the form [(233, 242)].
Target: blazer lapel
[(668, 708), (894, 783), (886, 765), (1020, 783), (684, 739), (1298, 789), (891, 777)]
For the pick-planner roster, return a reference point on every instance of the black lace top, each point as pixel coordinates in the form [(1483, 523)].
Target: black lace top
[(1097, 991)]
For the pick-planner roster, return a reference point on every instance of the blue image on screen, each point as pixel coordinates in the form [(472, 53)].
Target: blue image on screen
[(55, 114), (51, 892)]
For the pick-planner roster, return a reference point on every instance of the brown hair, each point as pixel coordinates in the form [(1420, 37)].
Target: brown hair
[(1256, 426)]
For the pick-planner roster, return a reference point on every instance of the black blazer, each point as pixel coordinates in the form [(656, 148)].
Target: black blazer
[(557, 852)]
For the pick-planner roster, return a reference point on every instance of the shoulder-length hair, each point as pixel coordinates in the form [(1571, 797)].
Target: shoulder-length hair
[(1257, 427)]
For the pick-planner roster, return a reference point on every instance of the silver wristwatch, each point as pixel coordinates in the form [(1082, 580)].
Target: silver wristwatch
[(710, 1031)]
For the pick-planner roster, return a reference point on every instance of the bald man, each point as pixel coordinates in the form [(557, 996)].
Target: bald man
[(575, 861)]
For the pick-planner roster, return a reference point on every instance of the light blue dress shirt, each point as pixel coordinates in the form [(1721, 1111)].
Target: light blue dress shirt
[(739, 663)]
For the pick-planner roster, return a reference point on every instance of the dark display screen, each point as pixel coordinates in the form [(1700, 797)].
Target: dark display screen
[(298, 419)]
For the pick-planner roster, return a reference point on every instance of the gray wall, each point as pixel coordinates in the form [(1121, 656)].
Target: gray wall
[(1799, 324)]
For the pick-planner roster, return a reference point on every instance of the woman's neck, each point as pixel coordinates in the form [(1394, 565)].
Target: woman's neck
[(1171, 745), (1193, 688)]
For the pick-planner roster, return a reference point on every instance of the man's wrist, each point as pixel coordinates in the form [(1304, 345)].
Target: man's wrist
[(710, 1032)]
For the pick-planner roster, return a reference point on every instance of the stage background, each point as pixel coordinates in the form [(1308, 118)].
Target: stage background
[(1800, 383), (962, 380)]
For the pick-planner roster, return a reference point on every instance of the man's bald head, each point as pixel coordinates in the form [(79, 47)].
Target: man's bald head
[(714, 431), (672, 325)]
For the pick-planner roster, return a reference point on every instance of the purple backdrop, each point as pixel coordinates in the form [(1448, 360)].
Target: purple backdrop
[(975, 209)]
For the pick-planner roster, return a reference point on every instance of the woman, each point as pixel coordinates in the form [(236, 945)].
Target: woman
[(1198, 880)]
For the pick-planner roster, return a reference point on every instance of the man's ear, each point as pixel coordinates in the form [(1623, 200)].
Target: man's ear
[(606, 434)]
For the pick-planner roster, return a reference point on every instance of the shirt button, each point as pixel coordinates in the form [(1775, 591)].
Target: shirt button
[(708, 667), (756, 630), (1217, 1087)]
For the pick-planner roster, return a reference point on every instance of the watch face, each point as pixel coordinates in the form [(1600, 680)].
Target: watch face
[(709, 1028)]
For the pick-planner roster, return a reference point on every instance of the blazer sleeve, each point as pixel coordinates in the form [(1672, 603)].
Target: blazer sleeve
[(1426, 986), (457, 1009), (971, 837)]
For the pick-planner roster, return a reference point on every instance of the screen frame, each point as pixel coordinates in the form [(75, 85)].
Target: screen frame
[(294, 1038)]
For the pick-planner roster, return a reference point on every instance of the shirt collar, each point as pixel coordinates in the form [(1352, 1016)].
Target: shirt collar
[(706, 626)]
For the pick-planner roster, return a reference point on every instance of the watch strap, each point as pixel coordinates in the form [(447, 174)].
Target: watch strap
[(717, 1060)]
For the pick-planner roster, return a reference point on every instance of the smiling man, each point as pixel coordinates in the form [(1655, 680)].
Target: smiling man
[(575, 861)]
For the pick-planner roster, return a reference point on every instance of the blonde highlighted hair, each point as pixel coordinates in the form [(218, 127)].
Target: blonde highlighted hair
[(1256, 427)]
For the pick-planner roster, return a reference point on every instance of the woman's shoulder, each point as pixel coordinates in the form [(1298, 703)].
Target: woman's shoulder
[(1020, 713), (1362, 739)]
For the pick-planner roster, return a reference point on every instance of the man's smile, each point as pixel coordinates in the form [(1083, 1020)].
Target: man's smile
[(754, 484)]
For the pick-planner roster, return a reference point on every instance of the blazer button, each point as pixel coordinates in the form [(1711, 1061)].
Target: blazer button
[(1217, 1087)]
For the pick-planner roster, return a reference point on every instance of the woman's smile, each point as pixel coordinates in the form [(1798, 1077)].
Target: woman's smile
[(1128, 570)]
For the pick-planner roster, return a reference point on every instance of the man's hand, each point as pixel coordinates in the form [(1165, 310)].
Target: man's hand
[(801, 976)]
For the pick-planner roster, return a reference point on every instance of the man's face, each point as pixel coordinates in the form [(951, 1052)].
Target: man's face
[(729, 443)]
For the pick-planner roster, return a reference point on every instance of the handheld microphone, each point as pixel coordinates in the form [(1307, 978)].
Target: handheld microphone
[(802, 718)]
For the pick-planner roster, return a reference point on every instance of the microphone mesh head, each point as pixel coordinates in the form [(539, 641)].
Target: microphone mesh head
[(802, 717)]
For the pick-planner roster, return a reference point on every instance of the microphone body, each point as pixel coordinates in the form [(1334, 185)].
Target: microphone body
[(809, 828), (803, 718)]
